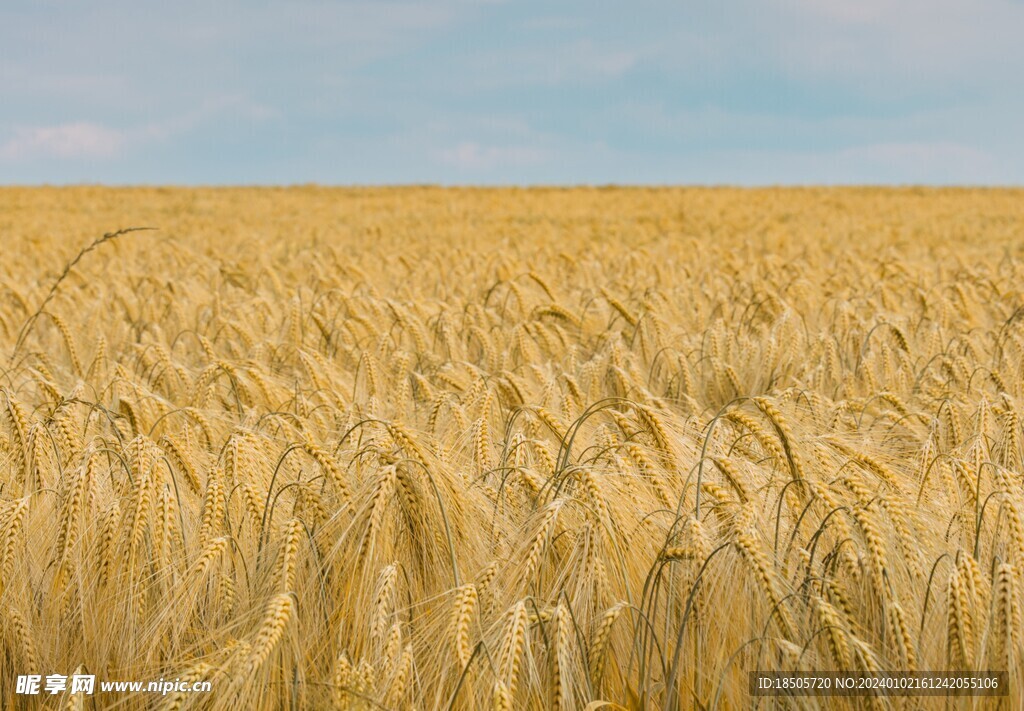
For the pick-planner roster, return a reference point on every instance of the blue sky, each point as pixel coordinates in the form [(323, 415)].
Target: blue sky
[(516, 92)]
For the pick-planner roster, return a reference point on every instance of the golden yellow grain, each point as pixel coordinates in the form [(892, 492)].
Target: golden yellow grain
[(336, 447), (512, 647), (960, 631), (602, 635), (466, 598), (279, 614)]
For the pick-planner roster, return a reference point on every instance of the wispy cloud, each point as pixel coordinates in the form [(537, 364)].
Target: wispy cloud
[(457, 90), (68, 140), (583, 62), (472, 156), (944, 161), (872, 46), (218, 108), (80, 140)]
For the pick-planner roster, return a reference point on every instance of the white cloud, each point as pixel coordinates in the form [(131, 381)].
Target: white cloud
[(891, 46), (470, 155), (712, 126), (27, 79), (220, 107), (657, 90), (612, 64), (924, 161), (912, 162), (68, 140), (87, 140), (586, 62), (845, 11)]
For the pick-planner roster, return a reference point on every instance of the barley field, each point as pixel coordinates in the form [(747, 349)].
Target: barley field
[(509, 449)]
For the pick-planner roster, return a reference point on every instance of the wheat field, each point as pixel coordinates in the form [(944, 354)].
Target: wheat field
[(513, 449)]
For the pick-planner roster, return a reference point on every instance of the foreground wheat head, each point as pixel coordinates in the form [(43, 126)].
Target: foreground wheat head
[(509, 449)]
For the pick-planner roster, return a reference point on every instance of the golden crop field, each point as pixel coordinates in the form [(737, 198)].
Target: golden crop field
[(513, 449)]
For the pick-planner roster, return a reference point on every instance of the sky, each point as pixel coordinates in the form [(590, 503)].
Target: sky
[(520, 92)]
